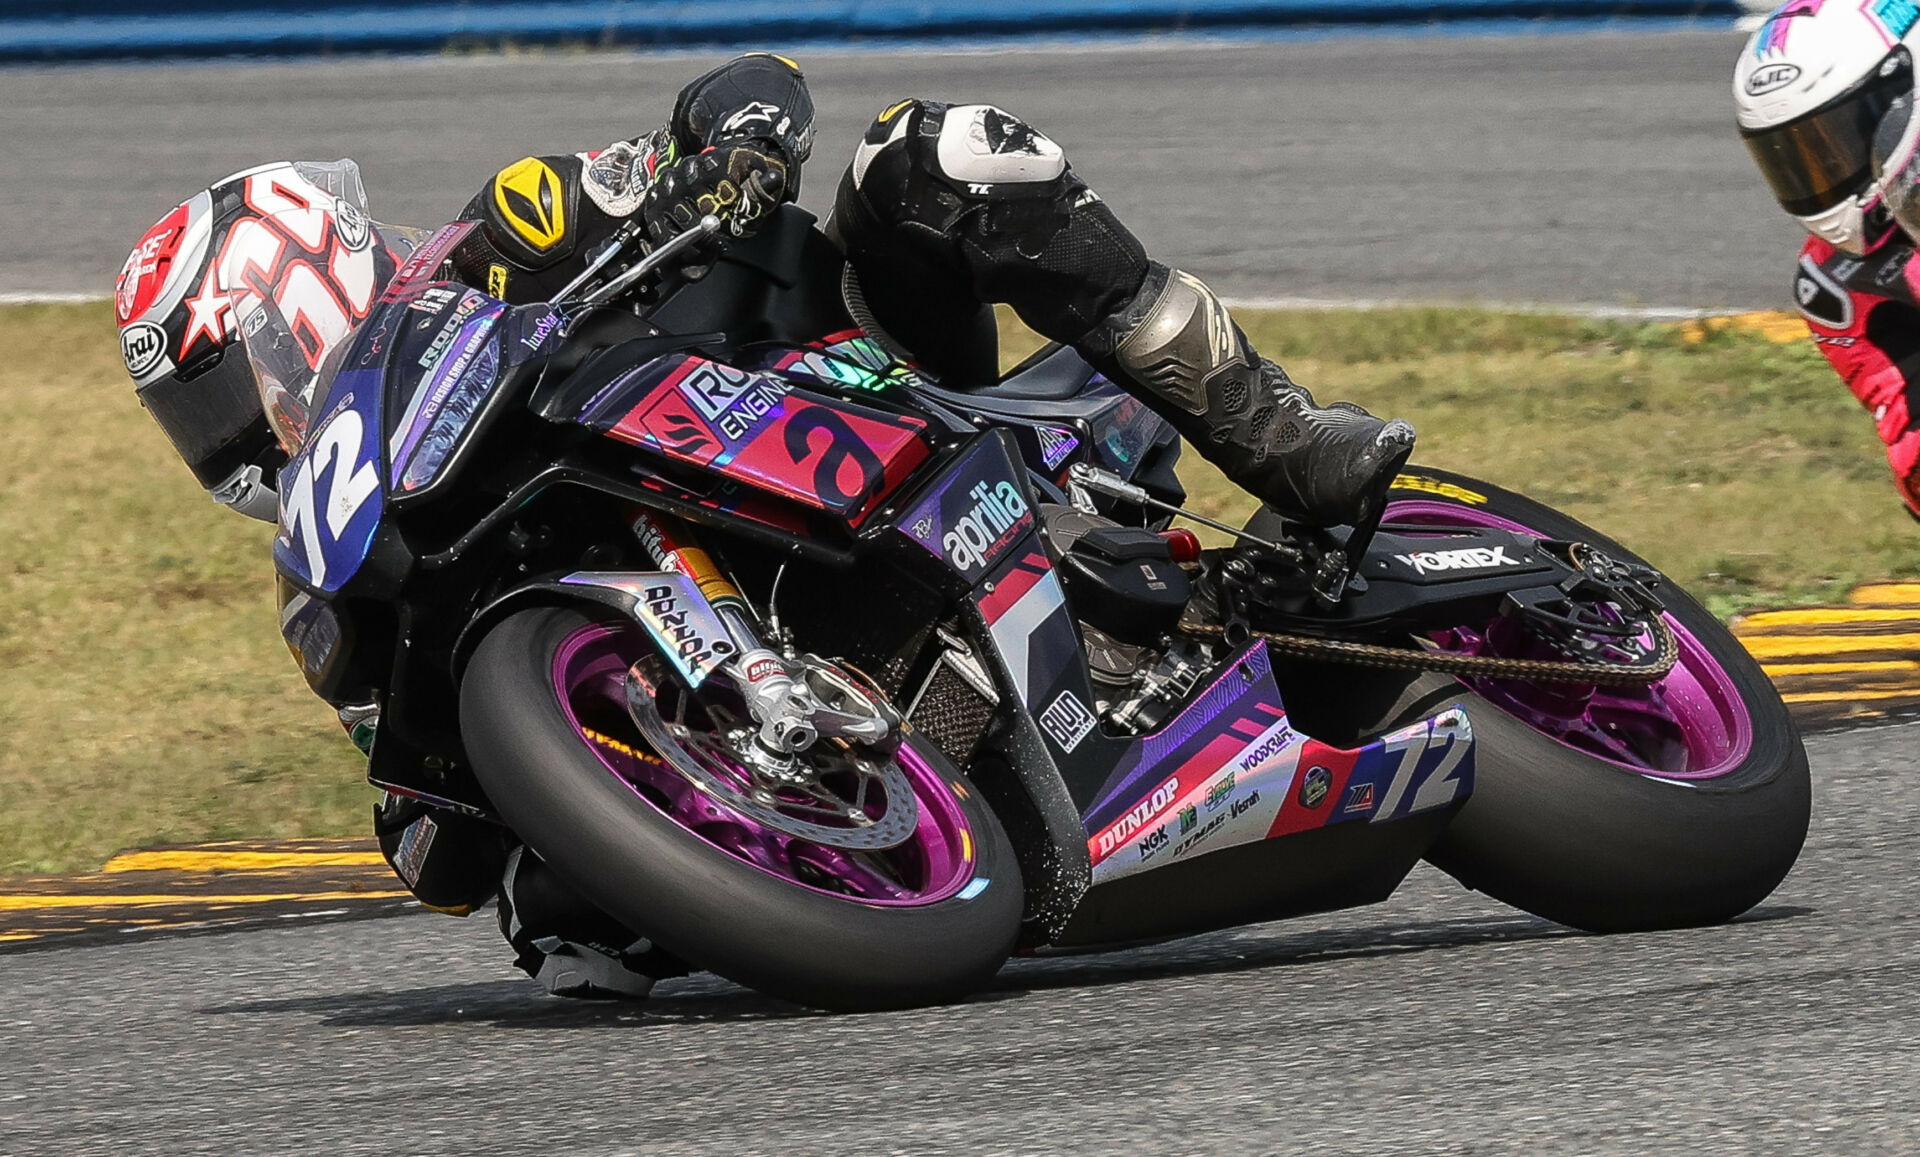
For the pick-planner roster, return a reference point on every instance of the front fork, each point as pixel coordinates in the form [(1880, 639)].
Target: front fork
[(795, 700)]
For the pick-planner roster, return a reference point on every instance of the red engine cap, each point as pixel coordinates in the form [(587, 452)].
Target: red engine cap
[(1183, 544)]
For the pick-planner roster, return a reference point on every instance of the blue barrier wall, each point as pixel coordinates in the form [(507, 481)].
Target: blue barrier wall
[(106, 29)]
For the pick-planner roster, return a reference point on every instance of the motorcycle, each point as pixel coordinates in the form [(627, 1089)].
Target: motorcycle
[(847, 683)]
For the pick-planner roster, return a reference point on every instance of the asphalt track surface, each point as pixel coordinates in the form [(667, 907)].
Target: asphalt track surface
[(1439, 1022), (1598, 168)]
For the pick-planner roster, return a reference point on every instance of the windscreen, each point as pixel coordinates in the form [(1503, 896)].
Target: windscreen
[(302, 269)]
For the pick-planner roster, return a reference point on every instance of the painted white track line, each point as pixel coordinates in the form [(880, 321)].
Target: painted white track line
[(51, 298)]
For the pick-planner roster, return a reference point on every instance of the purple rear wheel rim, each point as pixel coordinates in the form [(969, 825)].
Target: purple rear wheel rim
[(1691, 725), (935, 863)]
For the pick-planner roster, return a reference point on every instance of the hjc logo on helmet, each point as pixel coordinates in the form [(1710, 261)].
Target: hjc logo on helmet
[(1771, 78)]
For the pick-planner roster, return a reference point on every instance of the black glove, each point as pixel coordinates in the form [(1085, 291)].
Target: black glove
[(738, 183)]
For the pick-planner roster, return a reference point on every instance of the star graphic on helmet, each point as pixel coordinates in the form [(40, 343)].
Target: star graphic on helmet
[(207, 312)]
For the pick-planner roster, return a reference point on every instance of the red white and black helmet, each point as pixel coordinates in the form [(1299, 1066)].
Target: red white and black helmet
[(1816, 86), (173, 302)]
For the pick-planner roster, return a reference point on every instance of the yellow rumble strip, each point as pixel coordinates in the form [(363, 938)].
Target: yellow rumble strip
[(208, 886), (1848, 664)]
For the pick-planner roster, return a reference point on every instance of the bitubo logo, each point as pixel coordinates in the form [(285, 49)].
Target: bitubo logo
[(1769, 77), (696, 650), (994, 512), (1466, 558), (1124, 827), (142, 345)]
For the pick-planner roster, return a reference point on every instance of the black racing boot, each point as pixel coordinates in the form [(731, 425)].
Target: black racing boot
[(571, 947), (1175, 345)]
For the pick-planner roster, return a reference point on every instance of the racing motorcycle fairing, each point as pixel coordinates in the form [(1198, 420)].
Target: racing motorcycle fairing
[(970, 516), (1228, 815), (332, 494), (1231, 769), (763, 432), (419, 375)]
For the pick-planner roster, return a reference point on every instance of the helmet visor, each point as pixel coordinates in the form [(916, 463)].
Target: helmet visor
[(1896, 157), (1818, 161)]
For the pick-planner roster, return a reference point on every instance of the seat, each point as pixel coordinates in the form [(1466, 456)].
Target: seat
[(1054, 374)]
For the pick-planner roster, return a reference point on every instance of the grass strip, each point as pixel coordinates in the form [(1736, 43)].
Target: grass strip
[(145, 696)]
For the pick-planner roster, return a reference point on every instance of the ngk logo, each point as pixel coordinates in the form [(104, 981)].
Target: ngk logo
[(1466, 558)]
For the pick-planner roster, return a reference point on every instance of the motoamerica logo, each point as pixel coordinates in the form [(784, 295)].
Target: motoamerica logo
[(994, 512), (1466, 558)]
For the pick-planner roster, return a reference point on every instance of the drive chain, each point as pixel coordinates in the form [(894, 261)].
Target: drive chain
[(1452, 663)]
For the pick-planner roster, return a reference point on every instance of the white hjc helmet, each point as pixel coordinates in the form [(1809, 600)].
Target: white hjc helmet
[(1814, 86)]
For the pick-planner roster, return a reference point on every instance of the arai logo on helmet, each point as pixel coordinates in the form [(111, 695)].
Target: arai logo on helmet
[(142, 345), (1467, 558), (1771, 77)]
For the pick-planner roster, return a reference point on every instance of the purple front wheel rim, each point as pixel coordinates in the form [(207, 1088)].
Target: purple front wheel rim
[(935, 863)]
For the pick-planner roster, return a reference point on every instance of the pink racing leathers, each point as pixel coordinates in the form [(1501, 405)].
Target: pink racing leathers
[(1865, 313)]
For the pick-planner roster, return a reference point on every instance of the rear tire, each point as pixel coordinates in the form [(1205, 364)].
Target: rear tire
[(696, 900), (1588, 842)]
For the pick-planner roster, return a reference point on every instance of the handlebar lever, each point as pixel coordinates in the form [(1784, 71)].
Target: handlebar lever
[(618, 242), (669, 249)]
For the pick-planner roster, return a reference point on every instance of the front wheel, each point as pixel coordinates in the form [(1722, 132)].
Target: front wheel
[(1609, 809), (929, 917)]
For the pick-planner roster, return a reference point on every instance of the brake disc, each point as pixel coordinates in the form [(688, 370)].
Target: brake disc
[(716, 763)]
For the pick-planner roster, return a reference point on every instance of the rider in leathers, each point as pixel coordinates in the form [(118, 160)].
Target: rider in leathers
[(1825, 95), (943, 208)]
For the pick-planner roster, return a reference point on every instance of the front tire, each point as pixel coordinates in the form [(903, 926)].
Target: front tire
[(615, 841), (1693, 822)]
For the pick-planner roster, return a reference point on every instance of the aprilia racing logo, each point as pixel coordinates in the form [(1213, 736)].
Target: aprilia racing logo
[(974, 537), (1466, 558)]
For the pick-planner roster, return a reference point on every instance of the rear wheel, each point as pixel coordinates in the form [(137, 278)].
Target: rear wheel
[(699, 854), (1610, 809)]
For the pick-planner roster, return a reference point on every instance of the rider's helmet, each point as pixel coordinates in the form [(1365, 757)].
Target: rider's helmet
[(298, 226), (182, 350), (1814, 86)]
